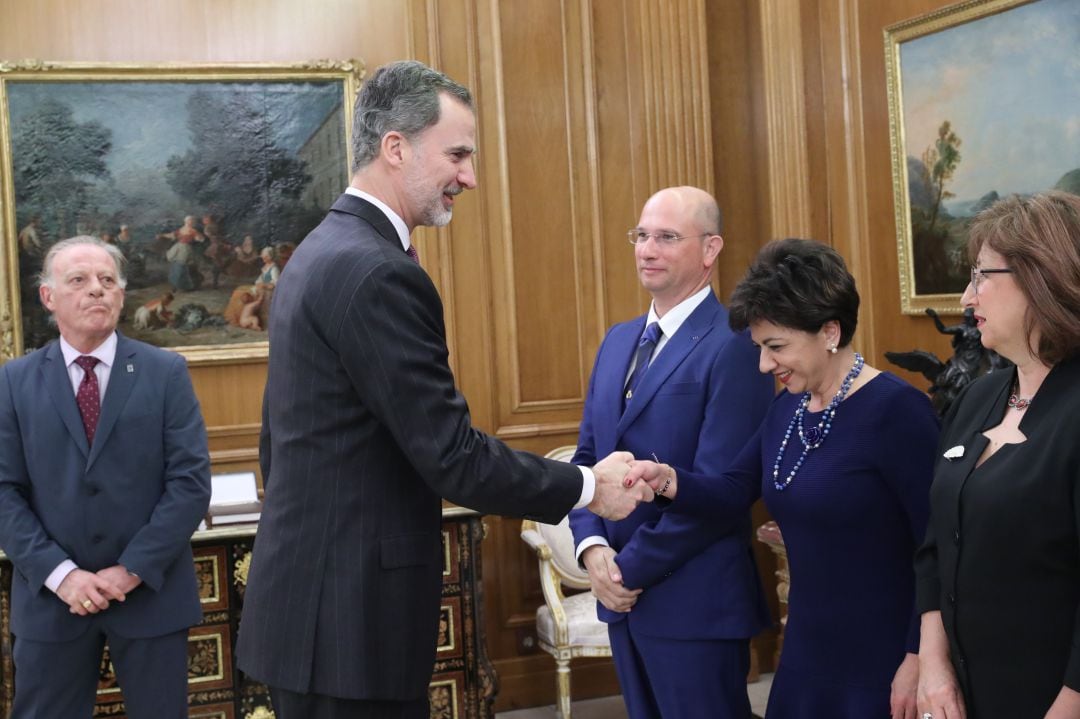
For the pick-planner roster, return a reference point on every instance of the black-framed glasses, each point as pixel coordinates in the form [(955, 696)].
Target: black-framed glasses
[(978, 274)]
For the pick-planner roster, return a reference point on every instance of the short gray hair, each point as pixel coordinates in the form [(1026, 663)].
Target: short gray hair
[(402, 96), (45, 278)]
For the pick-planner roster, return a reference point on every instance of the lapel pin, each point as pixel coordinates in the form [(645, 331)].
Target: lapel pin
[(954, 453), (130, 368)]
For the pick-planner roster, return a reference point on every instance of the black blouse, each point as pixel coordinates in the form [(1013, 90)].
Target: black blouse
[(1001, 558)]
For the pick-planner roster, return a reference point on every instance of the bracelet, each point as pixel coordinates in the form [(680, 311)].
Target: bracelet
[(667, 482)]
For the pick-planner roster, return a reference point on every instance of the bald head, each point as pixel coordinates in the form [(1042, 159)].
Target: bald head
[(692, 203), (676, 244)]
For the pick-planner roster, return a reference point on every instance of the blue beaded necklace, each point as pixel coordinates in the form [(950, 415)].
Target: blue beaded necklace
[(812, 437)]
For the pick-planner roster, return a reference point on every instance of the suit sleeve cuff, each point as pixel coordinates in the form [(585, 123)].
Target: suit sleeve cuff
[(593, 541), (588, 488), (58, 575), (927, 595)]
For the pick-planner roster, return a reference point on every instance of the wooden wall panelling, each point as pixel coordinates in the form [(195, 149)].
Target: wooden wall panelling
[(202, 30), (785, 104), (739, 135), (860, 172), (842, 112), (540, 208)]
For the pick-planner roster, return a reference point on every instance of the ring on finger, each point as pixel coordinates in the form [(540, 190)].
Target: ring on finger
[(87, 604)]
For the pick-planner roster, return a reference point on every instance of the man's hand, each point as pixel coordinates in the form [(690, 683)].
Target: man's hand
[(120, 578), (611, 499), (606, 579), (88, 593), (661, 478)]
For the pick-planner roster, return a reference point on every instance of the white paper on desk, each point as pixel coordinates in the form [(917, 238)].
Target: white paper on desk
[(238, 488)]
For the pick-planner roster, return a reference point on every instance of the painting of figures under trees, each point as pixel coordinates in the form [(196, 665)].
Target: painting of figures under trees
[(206, 186), (981, 108)]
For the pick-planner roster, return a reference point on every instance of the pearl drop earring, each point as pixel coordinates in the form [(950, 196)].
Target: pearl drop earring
[(832, 349)]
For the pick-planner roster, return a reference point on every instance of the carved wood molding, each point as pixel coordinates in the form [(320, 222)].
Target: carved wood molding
[(859, 252), (670, 40), (785, 109)]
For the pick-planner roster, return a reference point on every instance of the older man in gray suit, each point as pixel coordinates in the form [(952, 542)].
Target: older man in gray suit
[(364, 430), (104, 475)]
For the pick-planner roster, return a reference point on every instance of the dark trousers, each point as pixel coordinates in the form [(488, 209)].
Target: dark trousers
[(676, 678), (291, 705), (58, 680)]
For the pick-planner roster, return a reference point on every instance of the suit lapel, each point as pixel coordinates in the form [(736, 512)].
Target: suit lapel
[(353, 205), (60, 390), (611, 378), (122, 378), (975, 442), (700, 322)]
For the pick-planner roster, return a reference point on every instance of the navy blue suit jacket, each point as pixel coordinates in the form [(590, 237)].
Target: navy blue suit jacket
[(133, 498), (700, 401)]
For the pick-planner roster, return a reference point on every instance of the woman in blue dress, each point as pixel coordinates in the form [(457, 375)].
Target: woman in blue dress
[(844, 461)]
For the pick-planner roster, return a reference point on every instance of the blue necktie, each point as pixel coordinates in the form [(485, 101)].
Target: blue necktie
[(645, 348)]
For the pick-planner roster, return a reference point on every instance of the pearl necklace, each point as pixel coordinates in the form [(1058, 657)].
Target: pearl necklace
[(813, 437)]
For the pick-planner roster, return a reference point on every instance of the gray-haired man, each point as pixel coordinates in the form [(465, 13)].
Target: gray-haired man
[(364, 430)]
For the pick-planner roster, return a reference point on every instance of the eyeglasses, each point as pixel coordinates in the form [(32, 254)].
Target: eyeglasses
[(667, 239), (978, 274)]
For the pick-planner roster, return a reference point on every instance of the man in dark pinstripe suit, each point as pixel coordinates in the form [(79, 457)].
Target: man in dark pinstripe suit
[(364, 430)]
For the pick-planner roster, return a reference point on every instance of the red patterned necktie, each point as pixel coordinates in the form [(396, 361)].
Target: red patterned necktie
[(89, 396), (412, 253)]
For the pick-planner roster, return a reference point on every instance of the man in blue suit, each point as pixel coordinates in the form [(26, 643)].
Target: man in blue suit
[(104, 475), (681, 598)]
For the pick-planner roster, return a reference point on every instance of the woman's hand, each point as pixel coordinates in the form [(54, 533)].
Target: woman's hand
[(905, 686), (660, 477), (939, 692)]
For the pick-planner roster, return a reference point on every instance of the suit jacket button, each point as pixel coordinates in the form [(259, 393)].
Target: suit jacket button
[(93, 490), (952, 599), (97, 539), (956, 537)]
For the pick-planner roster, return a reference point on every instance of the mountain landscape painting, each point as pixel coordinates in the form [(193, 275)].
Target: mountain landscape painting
[(983, 107)]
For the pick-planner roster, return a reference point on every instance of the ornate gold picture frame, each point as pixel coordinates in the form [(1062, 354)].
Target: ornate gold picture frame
[(979, 108), (205, 176)]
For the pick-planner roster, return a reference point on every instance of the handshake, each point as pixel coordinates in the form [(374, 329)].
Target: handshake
[(622, 482)]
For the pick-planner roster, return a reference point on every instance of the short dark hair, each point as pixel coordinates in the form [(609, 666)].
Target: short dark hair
[(1039, 237), (402, 96), (800, 284)]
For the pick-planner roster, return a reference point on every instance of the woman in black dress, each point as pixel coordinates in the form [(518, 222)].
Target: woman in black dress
[(999, 573)]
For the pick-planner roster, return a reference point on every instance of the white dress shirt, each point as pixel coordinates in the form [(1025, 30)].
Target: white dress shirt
[(106, 355)]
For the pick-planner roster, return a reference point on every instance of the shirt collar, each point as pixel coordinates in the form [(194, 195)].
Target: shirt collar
[(395, 219), (673, 319), (105, 352)]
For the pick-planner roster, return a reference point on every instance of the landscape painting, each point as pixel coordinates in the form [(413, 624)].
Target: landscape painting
[(206, 180), (982, 106)]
